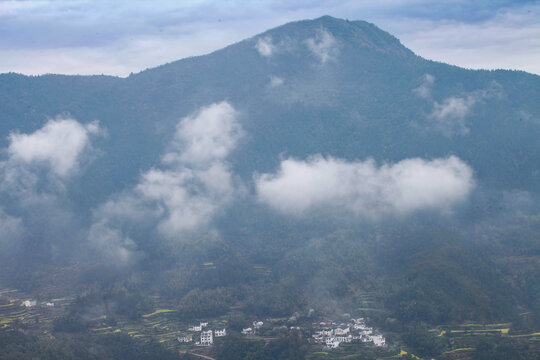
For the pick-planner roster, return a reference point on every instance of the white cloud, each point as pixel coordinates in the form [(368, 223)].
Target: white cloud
[(364, 188), (324, 46), (207, 136), (264, 46), (34, 175), (192, 185), (188, 198), (424, 90), (449, 116), (59, 149), (276, 81), (117, 247), (58, 144), (17, 181), (508, 40)]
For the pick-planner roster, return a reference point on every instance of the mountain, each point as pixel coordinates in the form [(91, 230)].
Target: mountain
[(359, 103), (323, 154)]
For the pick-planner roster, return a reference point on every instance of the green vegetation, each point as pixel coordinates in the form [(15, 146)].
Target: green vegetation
[(205, 303), (17, 345), (235, 347)]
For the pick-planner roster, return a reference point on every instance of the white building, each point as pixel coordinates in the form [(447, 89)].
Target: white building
[(195, 328), (367, 338), (332, 343), (378, 340), (206, 338), (184, 339), (342, 331), (329, 332), (359, 326), (203, 324), (29, 303), (247, 331), (344, 339), (220, 333), (257, 324), (49, 304)]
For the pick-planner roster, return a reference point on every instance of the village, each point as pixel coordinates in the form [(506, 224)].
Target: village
[(328, 333), (206, 336), (331, 335), (346, 335)]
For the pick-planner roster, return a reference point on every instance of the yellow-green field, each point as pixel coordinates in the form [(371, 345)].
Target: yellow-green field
[(472, 329), (13, 313), (161, 324), (459, 349), (403, 353), (159, 311), (460, 335)]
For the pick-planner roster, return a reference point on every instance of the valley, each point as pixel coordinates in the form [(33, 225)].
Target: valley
[(20, 313)]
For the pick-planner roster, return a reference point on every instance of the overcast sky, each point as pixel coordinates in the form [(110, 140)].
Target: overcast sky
[(119, 37)]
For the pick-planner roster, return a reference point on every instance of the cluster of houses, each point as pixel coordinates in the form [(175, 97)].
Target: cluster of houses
[(331, 335), (327, 333), (207, 336), (251, 330)]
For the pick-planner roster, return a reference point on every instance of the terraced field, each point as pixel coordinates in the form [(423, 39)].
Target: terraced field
[(473, 329), (162, 324), (14, 313)]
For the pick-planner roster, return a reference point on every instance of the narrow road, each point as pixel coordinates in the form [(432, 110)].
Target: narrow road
[(198, 355)]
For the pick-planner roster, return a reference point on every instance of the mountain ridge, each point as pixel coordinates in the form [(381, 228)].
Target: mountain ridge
[(361, 82)]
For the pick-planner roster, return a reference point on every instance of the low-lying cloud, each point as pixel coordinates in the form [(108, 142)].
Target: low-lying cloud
[(364, 188), (264, 46), (11, 228), (449, 115), (192, 184), (58, 149), (206, 137), (323, 46), (34, 175), (59, 144), (424, 90)]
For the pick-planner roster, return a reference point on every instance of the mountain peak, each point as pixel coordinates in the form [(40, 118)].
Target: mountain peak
[(360, 34)]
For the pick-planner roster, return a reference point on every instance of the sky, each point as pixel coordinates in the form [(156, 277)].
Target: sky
[(120, 37)]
